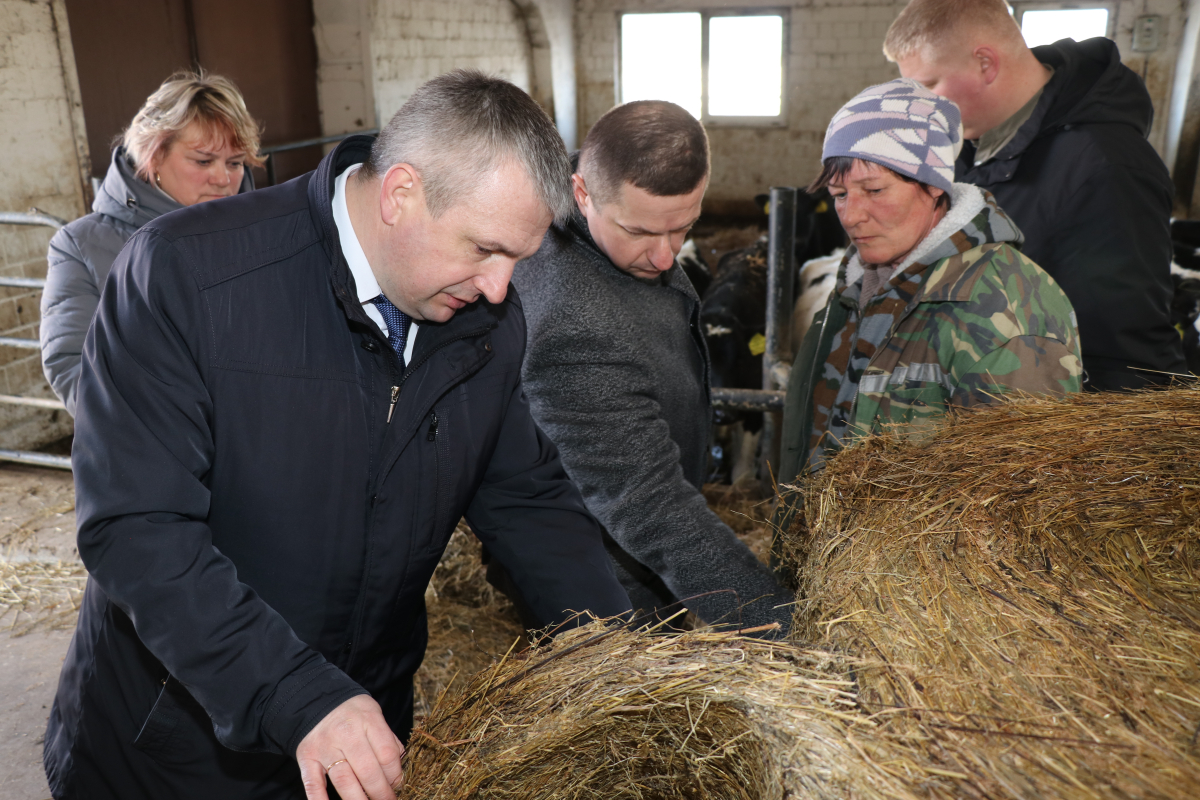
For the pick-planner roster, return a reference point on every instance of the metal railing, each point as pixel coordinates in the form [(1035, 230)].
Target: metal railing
[(777, 358), (270, 151), (32, 217)]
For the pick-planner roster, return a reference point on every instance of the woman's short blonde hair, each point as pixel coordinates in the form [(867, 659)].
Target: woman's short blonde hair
[(184, 98)]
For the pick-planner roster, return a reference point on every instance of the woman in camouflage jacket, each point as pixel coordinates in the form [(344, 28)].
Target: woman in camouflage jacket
[(935, 305)]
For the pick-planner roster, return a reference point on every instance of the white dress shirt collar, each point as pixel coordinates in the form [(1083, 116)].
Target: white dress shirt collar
[(360, 268)]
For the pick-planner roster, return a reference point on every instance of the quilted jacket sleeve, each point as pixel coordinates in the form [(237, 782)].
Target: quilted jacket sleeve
[(69, 302)]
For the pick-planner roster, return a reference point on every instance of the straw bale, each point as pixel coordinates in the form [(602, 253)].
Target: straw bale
[(606, 712), (1024, 586)]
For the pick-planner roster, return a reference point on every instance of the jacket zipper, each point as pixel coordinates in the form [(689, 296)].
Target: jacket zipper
[(432, 436), (392, 406), (395, 390)]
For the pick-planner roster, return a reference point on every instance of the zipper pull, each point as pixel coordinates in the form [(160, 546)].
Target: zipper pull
[(392, 407), (433, 426)]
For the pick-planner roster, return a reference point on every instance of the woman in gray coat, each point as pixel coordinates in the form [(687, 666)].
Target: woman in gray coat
[(190, 142)]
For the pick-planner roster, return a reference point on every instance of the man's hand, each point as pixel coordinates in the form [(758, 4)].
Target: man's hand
[(356, 748)]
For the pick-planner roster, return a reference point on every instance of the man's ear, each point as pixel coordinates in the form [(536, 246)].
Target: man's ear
[(582, 198), (400, 191), (987, 61)]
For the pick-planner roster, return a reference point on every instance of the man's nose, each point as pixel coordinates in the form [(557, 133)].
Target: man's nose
[(493, 283), (661, 254)]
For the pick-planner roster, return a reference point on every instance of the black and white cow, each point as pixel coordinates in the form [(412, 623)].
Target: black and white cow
[(733, 317), (1185, 274)]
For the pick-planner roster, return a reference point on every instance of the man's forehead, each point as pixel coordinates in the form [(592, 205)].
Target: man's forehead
[(641, 211)]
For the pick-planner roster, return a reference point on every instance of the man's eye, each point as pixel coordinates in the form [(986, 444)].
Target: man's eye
[(483, 251)]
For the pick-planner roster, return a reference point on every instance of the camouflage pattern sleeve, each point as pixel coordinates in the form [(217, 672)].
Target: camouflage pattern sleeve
[(1028, 364)]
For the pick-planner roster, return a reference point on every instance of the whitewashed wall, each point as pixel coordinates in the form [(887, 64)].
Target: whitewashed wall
[(415, 40), (41, 133)]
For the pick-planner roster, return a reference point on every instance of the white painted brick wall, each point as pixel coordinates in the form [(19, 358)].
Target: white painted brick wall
[(41, 169), (415, 40), (834, 52)]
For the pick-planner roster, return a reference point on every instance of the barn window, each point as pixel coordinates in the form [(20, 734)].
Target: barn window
[(724, 67), (1045, 23)]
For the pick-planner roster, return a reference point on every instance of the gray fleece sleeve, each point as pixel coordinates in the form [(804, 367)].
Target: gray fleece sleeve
[(597, 403)]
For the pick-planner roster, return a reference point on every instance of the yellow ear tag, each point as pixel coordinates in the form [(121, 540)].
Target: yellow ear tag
[(758, 344), (822, 207)]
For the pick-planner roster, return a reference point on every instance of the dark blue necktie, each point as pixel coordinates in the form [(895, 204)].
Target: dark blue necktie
[(397, 323)]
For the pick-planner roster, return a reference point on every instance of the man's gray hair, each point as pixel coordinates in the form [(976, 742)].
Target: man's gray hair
[(458, 128)]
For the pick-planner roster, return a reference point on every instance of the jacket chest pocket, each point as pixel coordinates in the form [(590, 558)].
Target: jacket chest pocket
[(908, 399)]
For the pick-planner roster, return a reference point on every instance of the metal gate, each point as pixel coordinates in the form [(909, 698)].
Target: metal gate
[(33, 217)]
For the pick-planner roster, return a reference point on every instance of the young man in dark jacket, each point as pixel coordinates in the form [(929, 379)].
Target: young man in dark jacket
[(1058, 135), (617, 370), (270, 457)]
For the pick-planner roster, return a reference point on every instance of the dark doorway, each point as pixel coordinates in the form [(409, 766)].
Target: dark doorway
[(125, 48)]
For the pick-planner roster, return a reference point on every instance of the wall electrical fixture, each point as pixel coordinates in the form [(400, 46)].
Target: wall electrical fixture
[(1147, 33)]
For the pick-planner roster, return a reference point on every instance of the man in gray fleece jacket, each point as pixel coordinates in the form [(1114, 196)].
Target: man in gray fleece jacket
[(617, 371)]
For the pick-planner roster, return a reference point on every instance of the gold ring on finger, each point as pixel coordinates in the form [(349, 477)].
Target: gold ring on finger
[(334, 764)]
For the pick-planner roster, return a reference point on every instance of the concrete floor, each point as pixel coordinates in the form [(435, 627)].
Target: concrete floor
[(37, 521), (29, 667)]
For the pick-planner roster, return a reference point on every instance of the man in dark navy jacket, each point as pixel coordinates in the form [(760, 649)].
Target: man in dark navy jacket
[(288, 401)]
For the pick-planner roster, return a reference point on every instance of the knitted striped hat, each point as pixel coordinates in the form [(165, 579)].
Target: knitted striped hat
[(903, 126)]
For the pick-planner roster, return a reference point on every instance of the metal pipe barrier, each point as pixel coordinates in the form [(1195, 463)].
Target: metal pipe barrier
[(748, 399), (24, 283), (36, 459), (781, 276), (23, 344), (32, 217), (270, 152), (37, 402)]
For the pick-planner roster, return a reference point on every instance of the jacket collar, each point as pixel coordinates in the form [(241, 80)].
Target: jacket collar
[(974, 220), (480, 315), (129, 198), (950, 262)]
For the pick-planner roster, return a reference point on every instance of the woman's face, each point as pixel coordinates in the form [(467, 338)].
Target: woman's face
[(884, 216), (199, 165)]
